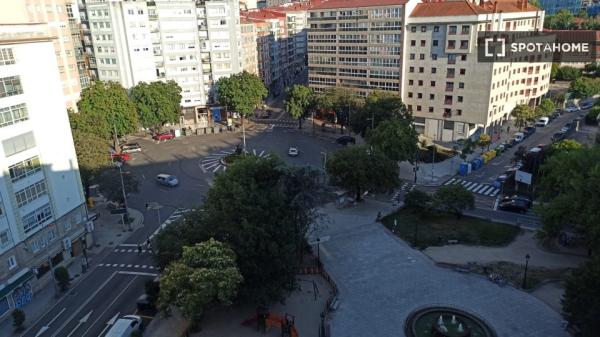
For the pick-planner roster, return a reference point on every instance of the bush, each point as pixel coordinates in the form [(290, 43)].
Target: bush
[(592, 116), (62, 277), (453, 199), (581, 301), (18, 316), (418, 200)]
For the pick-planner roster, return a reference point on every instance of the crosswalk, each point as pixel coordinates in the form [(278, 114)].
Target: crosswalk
[(172, 218), (131, 250), (405, 187), (483, 189), (125, 265)]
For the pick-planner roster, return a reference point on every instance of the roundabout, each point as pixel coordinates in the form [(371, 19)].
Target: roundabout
[(219, 161)]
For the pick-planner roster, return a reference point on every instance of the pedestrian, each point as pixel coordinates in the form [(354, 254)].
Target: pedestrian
[(508, 129), (139, 248)]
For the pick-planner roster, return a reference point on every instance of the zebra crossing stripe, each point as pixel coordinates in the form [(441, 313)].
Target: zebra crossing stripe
[(100, 264), (463, 182), (478, 188), (144, 266), (122, 265), (151, 267), (136, 266), (469, 184), (494, 193), (129, 266), (216, 169), (472, 187), (487, 190), (115, 265), (449, 181)]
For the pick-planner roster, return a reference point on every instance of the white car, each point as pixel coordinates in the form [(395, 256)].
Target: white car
[(130, 148), (572, 108), (123, 327), (167, 180), (543, 121), (293, 152)]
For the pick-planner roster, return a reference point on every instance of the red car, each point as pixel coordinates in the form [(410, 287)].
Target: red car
[(120, 156), (163, 136)]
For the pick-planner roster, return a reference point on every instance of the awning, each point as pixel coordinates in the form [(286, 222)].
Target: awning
[(9, 287)]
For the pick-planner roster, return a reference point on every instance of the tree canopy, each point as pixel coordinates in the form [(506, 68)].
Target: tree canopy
[(546, 107), (396, 138), (241, 92), (109, 99), (110, 184), (298, 99), (341, 100), (567, 73), (584, 87), (562, 20), (522, 113), (206, 275), (581, 301), (91, 147), (157, 103), (358, 168), (381, 106), (454, 199)]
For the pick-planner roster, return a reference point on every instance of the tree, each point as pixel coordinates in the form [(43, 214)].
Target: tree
[(565, 145), (567, 73), (522, 113), (467, 149), (358, 168), (62, 277), (581, 301), (263, 210), (592, 116), (110, 184), (569, 191), (342, 101), (484, 140), (454, 199), (554, 71), (593, 69), (584, 87), (582, 14), (18, 316), (546, 107), (157, 103), (563, 19), (109, 99), (299, 98), (418, 200), (379, 107), (396, 138), (206, 275)]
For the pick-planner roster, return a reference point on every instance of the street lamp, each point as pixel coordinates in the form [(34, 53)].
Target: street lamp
[(527, 257), (319, 252)]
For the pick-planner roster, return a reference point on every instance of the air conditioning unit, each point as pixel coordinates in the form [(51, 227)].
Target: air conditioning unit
[(67, 244)]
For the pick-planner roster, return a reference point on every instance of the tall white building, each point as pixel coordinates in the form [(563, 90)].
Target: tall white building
[(120, 31), (42, 211)]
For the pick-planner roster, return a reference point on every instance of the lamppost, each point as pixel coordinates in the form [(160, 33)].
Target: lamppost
[(432, 157), (319, 252), (527, 257)]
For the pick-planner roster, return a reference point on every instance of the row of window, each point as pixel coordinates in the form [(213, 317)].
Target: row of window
[(18, 143), (13, 114), (101, 24), (10, 86), (37, 218), (44, 240), (452, 30), (447, 111), (450, 72), (104, 37), (6, 56), (449, 85), (31, 193), (24, 168), (451, 57)]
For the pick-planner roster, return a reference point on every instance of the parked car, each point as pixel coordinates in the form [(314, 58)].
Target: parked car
[(146, 303), (543, 121), (572, 108), (586, 105), (525, 199), (528, 131), (163, 136), (555, 115), (510, 143), (123, 327), (167, 180), (519, 136), (123, 157), (130, 148), (293, 152), (558, 136), (344, 140), (513, 205)]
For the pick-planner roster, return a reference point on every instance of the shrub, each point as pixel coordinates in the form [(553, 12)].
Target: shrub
[(18, 316), (62, 277)]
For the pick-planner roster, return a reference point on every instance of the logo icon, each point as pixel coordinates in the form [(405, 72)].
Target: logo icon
[(491, 44)]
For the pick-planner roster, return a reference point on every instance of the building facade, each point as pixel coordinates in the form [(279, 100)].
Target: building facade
[(42, 210), (249, 47)]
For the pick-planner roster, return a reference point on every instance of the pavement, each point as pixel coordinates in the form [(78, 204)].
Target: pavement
[(381, 280)]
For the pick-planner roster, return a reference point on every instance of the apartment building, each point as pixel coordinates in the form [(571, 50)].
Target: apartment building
[(450, 93), (357, 44), (249, 46), (121, 39), (75, 26), (42, 210)]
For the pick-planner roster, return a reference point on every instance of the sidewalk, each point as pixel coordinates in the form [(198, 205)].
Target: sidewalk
[(108, 233)]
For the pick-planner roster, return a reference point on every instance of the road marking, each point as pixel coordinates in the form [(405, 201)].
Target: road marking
[(129, 266), (480, 187), (144, 266), (89, 299), (128, 245), (47, 326), (109, 323), (115, 265), (151, 267), (122, 265), (216, 169), (136, 266), (136, 273), (82, 321), (449, 181)]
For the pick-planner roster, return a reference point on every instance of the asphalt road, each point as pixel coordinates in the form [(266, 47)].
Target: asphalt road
[(116, 278)]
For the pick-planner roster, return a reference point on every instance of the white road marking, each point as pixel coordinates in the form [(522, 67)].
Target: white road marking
[(478, 188), (115, 265), (261, 153), (449, 181), (136, 266), (136, 273), (128, 245), (82, 321), (151, 267), (129, 266), (144, 266), (47, 326), (122, 265), (216, 169), (109, 324)]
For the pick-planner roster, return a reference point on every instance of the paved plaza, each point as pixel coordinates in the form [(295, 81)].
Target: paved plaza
[(381, 280)]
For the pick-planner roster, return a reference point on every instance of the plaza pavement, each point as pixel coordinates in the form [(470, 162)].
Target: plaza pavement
[(381, 280)]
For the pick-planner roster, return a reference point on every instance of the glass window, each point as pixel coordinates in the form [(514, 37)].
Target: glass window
[(6, 56), (18, 143), (14, 114), (10, 86)]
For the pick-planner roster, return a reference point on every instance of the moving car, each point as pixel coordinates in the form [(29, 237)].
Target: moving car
[(344, 140), (130, 148), (167, 180), (543, 121), (123, 327), (586, 105), (146, 303), (519, 136), (525, 199), (555, 115), (293, 152), (120, 156), (510, 143), (513, 205), (558, 136), (163, 136), (528, 131)]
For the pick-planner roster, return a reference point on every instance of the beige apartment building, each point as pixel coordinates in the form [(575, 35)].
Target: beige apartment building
[(249, 46), (426, 52), (54, 13)]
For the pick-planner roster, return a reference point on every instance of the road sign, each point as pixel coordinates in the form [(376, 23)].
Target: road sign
[(523, 177), (119, 211)]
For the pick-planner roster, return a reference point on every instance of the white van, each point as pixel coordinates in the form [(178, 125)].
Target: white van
[(519, 136), (123, 327), (543, 121)]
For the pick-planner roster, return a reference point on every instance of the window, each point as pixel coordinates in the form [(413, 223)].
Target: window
[(421, 69), (4, 239), (10, 86), (18, 143), (411, 69), (463, 57), (460, 98), (436, 29), (30, 193), (452, 30), (433, 70), (411, 82), (12, 262), (419, 95), (130, 11), (434, 57), (12, 115), (140, 11), (432, 83), (6, 56), (434, 43), (421, 56), (447, 99), (410, 95), (420, 83), (413, 43), (451, 58), (464, 44), (25, 168), (451, 44), (461, 85), (431, 97), (423, 43), (450, 73), (465, 30), (449, 86), (423, 29), (431, 109), (418, 108), (462, 71), (36, 218), (459, 112), (413, 29), (411, 56)]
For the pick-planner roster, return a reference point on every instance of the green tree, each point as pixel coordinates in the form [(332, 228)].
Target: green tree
[(454, 199), (484, 140), (298, 99), (418, 200), (91, 147), (563, 19), (592, 116), (584, 87), (18, 316), (581, 301), (546, 107), (567, 73), (157, 103), (343, 102), (357, 168), (582, 14), (522, 113), (593, 69), (554, 71), (379, 107), (62, 277), (565, 145), (109, 99), (110, 184), (396, 138), (467, 149), (205, 276), (569, 191), (536, 3)]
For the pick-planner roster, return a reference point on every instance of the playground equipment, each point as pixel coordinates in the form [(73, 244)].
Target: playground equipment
[(265, 321)]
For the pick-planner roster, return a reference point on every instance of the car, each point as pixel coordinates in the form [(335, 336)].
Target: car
[(163, 136), (510, 143), (528, 131), (167, 180), (501, 148), (572, 108), (513, 205), (578, 118), (543, 121), (344, 140), (519, 136), (124, 326), (558, 136), (555, 115), (525, 199), (146, 303), (586, 105), (293, 152), (123, 157), (131, 148)]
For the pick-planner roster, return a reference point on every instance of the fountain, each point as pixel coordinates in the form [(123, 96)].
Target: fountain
[(446, 322)]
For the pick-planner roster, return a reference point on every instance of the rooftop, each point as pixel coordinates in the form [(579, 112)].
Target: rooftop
[(262, 14), (429, 8), (332, 4)]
